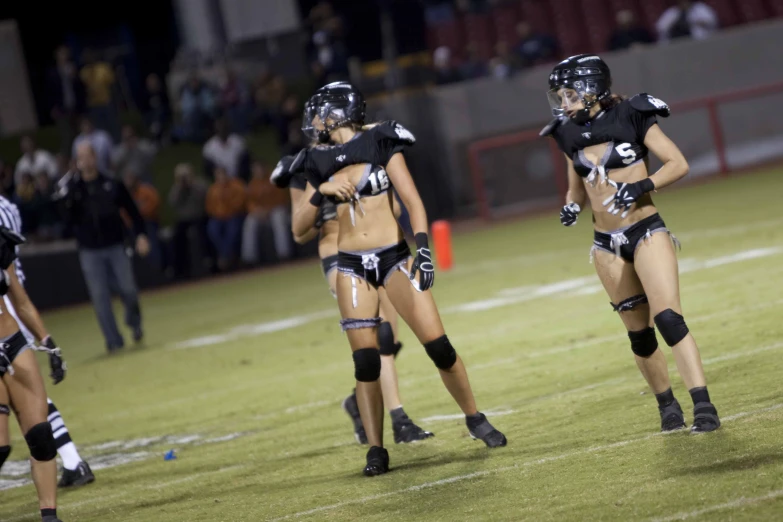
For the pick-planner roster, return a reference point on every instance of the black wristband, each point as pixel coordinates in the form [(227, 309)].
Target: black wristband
[(48, 342), (647, 185), (422, 241), (317, 199)]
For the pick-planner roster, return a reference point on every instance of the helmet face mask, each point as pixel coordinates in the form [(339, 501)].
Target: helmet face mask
[(332, 106), (584, 76)]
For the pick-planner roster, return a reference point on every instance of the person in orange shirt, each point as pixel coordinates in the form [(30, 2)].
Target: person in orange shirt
[(225, 205), (266, 205), (147, 200)]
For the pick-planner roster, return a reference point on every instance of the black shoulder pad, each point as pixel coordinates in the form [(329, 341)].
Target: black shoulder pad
[(395, 131), (297, 165), (644, 102), (282, 174), (8, 242), (551, 126)]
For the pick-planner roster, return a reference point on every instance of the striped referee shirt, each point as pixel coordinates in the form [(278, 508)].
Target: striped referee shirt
[(10, 218)]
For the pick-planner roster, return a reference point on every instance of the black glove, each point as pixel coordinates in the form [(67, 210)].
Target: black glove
[(627, 194), (56, 362), (569, 214), (423, 263), (282, 174)]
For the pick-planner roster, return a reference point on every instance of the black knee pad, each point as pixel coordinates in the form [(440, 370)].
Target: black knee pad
[(643, 342), (40, 440), (386, 338), (441, 352), (367, 364), (672, 326), (4, 452), (4, 409)]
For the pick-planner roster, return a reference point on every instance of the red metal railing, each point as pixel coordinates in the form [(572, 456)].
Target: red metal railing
[(710, 103)]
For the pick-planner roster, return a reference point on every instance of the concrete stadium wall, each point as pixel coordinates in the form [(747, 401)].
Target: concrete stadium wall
[(447, 119)]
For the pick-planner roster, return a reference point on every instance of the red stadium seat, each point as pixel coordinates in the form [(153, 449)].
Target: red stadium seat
[(599, 22), (504, 21), (751, 10), (569, 27), (775, 7), (478, 31), (538, 14), (727, 16)]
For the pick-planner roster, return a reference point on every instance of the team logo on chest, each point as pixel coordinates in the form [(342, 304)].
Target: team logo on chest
[(341, 158), (586, 135)]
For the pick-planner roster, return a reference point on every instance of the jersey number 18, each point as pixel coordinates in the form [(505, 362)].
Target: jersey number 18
[(379, 181)]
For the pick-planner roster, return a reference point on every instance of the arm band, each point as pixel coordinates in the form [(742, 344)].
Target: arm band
[(422, 241), (317, 199)]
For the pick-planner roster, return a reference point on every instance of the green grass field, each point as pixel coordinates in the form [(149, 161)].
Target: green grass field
[(252, 405)]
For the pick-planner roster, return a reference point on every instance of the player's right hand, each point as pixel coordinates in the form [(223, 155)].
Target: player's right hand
[(342, 190), (569, 214), (56, 362)]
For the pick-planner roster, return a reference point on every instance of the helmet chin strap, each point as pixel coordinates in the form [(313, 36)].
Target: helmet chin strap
[(324, 136)]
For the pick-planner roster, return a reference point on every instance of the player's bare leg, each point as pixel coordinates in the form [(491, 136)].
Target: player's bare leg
[(622, 285), (405, 430), (656, 266), (359, 309), (28, 398), (420, 313)]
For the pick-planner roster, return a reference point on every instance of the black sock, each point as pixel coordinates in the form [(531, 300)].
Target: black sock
[(48, 512), (397, 414), (699, 394), (665, 398), (474, 420)]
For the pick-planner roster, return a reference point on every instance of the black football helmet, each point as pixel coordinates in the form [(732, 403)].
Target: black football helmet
[(340, 102), (586, 78)]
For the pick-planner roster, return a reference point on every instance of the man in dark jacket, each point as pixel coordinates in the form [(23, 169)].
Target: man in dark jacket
[(92, 202)]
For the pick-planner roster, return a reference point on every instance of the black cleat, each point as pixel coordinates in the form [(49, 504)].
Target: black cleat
[(351, 407), (705, 418), (50, 519), (406, 431), (672, 418), (377, 462), (81, 476), (480, 428), (138, 334)]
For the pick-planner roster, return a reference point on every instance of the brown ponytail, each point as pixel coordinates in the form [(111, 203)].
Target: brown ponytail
[(613, 100)]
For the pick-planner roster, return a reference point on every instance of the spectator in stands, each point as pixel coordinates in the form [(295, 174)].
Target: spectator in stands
[(225, 205), (101, 143), (66, 97), (147, 200), (98, 78), (157, 110), (330, 56), (235, 102), (502, 66), (267, 205), (7, 183), (25, 200), (445, 72), (473, 66), (691, 19), (134, 154), (187, 199), (628, 32), (228, 150), (34, 159), (197, 104), (50, 226), (534, 48)]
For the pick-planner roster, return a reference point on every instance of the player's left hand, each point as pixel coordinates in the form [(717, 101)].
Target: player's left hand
[(626, 195), (56, 362), (142, 245), (423, 263)]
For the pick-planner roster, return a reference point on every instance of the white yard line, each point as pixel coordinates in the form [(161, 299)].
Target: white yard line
[(740, 502), (471, 476)]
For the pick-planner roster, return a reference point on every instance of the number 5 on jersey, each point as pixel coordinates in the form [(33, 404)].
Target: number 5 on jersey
[(626, 151)]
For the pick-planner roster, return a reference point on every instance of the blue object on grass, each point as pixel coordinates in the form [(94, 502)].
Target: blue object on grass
[(170, 455)]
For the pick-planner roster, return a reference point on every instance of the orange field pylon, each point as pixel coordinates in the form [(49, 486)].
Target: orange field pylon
[(441, 237)]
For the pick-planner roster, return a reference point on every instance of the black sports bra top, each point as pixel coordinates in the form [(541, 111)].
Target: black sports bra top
[(617, 156)]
